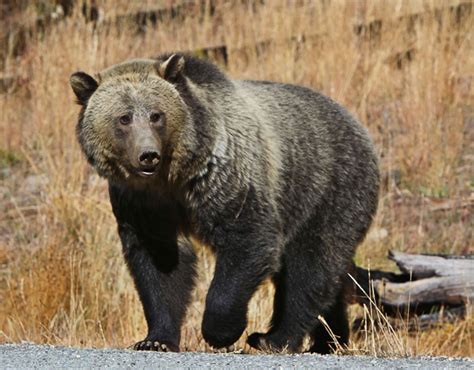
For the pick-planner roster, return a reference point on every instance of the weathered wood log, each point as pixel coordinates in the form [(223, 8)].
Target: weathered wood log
[(449, 290), (417, 323), (426, 265), (427, 283), (431, 320)]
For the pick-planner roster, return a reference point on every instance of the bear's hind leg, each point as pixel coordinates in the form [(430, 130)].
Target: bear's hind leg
[(280, 337), (336, 318), (310, 273)]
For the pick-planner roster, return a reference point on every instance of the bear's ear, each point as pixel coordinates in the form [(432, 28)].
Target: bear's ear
[(83, 86), (171, 68)]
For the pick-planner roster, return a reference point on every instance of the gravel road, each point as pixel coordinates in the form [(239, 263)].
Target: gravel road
[(29, 356)]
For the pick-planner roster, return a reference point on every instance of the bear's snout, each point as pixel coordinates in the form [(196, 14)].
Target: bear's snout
[(149, 158), (148, 161)]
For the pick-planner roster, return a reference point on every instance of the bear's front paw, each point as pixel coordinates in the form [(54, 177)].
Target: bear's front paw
[(223, 330), (155, 345)]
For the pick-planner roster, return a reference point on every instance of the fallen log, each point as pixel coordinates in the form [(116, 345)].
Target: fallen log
[(417, 323), (426, 284), (447, 290), (426, 265)]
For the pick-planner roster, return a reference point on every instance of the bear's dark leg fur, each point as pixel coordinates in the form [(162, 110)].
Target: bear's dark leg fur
[(310, 273), (161, 263), (336, 317), (164, 294), (247, 252), (235, 280)]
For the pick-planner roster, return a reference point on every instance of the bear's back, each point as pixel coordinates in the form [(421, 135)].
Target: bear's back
[(326, 154)]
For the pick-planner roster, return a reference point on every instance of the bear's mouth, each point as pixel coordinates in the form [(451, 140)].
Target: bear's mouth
[(147, 172)]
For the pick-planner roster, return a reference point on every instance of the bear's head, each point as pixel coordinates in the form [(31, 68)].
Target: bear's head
[(131, 114)]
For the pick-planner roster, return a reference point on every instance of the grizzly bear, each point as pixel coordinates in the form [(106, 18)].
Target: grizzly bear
[(279, 181)]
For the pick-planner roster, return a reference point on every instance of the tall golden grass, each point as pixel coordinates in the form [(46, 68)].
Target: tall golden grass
[(63, 280)]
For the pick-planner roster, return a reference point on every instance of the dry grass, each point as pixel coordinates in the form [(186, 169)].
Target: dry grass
[(63, 280)]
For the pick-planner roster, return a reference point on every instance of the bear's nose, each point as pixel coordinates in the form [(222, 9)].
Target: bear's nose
[(149, 158)]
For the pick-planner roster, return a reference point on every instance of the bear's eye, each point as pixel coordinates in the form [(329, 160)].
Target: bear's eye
[(125, 119), (155, 117)]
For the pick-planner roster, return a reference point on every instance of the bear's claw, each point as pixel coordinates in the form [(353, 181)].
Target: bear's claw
[(154, 345)]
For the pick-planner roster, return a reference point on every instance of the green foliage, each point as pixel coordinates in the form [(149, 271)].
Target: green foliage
[(8, 158), (434, 192)]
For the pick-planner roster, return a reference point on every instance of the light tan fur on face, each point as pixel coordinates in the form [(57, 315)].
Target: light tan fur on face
[(132, 85)]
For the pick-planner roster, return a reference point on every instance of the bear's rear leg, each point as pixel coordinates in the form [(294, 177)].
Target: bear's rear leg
[(336, 318), (278, 337), (304, 290)]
